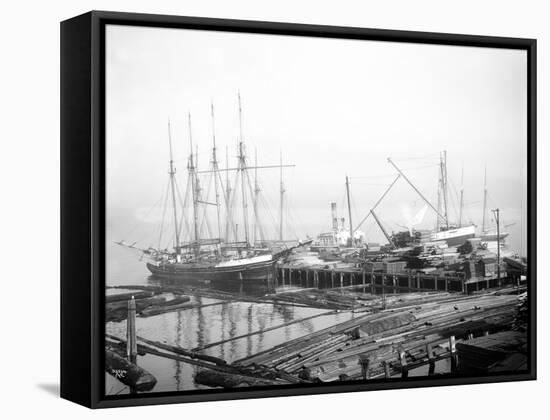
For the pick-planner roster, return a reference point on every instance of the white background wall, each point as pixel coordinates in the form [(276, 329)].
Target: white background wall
[(29, 234)]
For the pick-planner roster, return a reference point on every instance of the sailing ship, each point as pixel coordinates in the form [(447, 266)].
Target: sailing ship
[(229, 256)]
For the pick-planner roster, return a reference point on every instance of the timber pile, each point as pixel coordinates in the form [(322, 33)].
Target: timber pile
[(317, 298), (413, 325), (497, 352)]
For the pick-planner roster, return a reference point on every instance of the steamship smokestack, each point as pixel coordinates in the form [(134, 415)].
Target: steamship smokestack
[(334, 217)]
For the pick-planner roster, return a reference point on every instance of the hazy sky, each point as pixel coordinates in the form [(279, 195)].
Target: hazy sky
[(334, 108)]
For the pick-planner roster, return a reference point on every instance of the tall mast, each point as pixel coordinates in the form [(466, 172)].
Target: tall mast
[(444, 178), (193, 176), (256, 193), (227, 197), (173, 188), (461, 197), (439, 189), (497, 220), (349, 213), (215, 169), (282, 194), (242, 166), (484, 200)]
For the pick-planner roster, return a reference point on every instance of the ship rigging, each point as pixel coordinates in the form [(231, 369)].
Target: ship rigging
[(229, 251)]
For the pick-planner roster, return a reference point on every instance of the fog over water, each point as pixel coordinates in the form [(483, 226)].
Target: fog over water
[(333, 107)]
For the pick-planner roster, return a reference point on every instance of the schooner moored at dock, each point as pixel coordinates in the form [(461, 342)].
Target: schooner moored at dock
[(229, 256)]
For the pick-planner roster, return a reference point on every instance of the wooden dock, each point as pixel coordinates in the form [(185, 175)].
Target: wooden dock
[(376, 282)]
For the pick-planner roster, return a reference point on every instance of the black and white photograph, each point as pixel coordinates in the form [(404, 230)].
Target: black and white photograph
[(292, 210)]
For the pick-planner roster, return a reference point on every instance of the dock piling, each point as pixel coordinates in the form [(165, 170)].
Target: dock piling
[(403, 360), (386, 366), (364, 361), (431, 359), (452, 351), (131, 343)]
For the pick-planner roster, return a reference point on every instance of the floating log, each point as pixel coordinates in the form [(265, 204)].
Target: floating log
[(126, 296), (128, 373), (157, 310), (118, 311), (140, 304), (184, 352), (225, 380)]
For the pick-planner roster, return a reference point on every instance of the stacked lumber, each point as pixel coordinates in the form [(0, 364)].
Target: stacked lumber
[(411, 324), (488, 353), (316, 298)]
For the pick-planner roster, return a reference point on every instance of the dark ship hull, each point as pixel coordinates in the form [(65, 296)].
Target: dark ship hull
[(253, 278), (196, 272)]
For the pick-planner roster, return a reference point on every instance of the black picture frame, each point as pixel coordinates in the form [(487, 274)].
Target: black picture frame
[(83, 202)]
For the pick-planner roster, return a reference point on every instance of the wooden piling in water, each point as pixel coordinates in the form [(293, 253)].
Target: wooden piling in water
[(386, 366), (403, 361), (364, 361), (131, 343), (431, 359), (453, 354)]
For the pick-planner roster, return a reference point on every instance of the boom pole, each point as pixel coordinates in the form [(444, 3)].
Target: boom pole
[(388, 237), (416, 189), (379, 201)]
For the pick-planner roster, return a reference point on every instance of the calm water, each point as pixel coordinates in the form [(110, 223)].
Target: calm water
[(199, 326)]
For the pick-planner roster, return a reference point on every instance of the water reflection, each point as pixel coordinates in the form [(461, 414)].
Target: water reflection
[(197, 327)]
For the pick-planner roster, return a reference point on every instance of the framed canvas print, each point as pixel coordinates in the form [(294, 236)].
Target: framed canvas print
[(254, 209)]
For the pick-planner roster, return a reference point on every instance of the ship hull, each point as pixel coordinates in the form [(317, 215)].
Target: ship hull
[(248, 272), (493, 237), (455, 237)]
